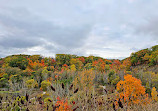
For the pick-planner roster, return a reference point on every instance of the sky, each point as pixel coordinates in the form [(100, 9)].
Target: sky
[(105, 28)]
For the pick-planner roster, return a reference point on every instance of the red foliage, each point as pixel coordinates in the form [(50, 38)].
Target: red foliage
[(82, 59), (94, 63)]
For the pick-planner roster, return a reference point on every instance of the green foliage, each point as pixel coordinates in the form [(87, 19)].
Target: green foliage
[(45, 85), (47, 100), (3, 82), (88, 66), (63, 59), (113, 78), (45, 73), (107, 67), (31, 83), (148, 56), (17, 61), (154, 48)]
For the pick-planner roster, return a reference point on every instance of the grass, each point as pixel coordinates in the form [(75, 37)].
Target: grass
[(9, 92)]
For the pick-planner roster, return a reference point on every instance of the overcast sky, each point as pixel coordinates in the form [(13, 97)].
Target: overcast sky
[(106, 28)]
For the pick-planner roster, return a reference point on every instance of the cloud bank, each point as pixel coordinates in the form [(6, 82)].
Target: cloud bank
[(110, 29)]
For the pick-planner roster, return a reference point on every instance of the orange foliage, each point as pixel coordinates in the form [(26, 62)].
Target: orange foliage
[(126, 64), (100, 65), (111, 66), (117, 62), (56, 76), (65, 67), (42, 62), (94, 63), (131, 90), (116, 65), (63, 105), (35, 65)]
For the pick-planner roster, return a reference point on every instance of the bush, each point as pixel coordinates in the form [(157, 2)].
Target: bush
[(45, 84)]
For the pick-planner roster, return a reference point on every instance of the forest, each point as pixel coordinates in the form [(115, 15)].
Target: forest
[(77, 83)]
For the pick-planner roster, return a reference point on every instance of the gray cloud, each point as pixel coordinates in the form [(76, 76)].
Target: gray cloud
[(34, 31), (102, 28), (150, 28), (18, 42)]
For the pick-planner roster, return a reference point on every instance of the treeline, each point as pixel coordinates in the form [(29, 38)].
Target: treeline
[(19, 66), (60, 60), (146, 56)]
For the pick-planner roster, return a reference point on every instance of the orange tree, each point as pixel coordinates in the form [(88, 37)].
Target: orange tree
[(131, 90)]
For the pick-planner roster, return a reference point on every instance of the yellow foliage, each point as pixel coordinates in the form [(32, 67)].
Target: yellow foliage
[(73, 61), (84, 79), (154, 94), (1, 74), (31, 83), (73, 67)]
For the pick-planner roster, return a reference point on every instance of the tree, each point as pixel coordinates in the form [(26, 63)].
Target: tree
[(131, 90), (1, 62), (82, 59), (153, 58), (44, 85), (154, 48), (31, 83), (4, 81), (62, 59), (126, 64), (73, 67), (138, 57), (85, 79), (88, 66), (154, 94), (77, 63), (146, 58), (17, 61), (65, 67), (35, 65), (111, 76), (45, 73)]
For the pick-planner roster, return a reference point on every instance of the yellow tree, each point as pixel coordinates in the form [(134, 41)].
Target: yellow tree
[(78, 64), (84, 83), (154, 94), (131, 90), (84, 79), (31, 83), (73, 68)]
